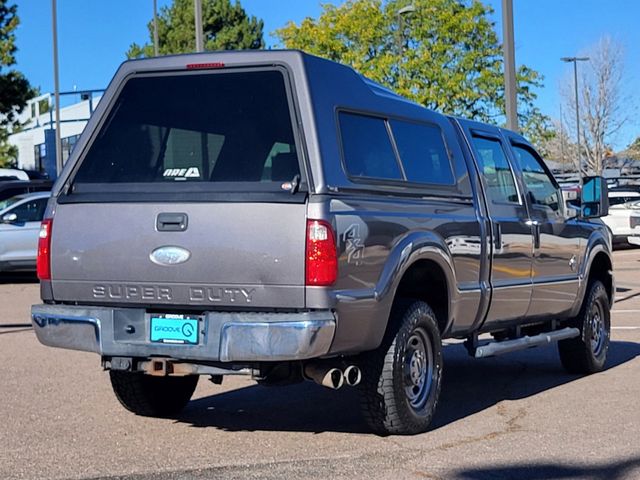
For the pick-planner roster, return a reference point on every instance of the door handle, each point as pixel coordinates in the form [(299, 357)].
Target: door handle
[(172, 222), (497, 238), (536, 232)]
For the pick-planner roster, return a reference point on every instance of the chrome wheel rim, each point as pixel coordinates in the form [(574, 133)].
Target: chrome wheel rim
[(597, 329), (418, 368)]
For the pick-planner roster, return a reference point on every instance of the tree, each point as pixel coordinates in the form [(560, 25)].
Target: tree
[(225, 26), (634, 149), (629, 156), (8, 152), (444, 55), (15, 90), (560, 148), (603, 104)]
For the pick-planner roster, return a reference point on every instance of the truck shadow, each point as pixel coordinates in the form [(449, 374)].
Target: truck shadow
[(18, 277), (470, 386), (615, 470), (486, 382), (303, 407)]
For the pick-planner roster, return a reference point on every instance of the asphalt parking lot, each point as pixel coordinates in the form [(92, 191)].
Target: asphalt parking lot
[(517, 416)]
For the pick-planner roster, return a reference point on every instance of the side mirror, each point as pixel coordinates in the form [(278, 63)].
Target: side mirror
[(595, 197), (9, 218)]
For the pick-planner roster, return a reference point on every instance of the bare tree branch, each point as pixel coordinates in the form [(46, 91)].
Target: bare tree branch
[(604, 108)]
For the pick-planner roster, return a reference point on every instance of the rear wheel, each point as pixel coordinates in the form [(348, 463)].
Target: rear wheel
[(401, 379), (151, 396), (588, 352)]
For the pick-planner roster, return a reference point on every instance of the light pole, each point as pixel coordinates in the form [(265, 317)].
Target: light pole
[(575, 61), (562, 159), (156, 48), (508, 48), (403, 11), (197, 5), (56, 84)]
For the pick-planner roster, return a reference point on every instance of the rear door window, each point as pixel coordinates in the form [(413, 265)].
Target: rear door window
[(212, 128)]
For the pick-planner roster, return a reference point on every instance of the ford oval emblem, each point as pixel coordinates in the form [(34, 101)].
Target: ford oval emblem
[(170, 255)]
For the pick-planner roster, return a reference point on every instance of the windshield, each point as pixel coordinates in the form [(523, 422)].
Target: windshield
[(208, 128)]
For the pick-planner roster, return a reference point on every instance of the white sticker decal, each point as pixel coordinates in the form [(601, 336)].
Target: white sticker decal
[(181, 173), (193, 172)]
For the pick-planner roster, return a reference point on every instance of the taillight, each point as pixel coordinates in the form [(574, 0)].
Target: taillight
[(43, 264), (321, 256), (634, 222), (198, 66)]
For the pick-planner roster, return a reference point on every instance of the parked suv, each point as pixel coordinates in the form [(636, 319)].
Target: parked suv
[(20, 219), (282, 216)]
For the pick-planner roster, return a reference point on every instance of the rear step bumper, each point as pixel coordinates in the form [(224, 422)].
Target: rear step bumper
[(225, 336)]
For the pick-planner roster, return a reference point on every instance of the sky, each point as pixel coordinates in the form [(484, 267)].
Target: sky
[(95, 34)]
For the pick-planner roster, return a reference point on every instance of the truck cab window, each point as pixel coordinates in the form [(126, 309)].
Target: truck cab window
[(542, 190), (500, 185)]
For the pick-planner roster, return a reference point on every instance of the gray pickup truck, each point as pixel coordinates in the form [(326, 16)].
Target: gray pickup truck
[(279, 215)]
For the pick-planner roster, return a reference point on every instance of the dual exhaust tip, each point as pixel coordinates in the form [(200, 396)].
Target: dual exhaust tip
[(333, 377)]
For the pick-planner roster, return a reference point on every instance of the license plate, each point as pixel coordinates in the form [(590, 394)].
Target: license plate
[(178, 329)]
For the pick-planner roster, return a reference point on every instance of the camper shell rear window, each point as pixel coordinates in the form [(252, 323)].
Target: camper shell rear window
[(194, 132)]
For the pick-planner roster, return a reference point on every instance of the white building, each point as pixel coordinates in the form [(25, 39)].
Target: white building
[(36, 138)]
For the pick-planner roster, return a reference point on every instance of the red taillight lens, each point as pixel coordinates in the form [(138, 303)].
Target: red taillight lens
[(196, 66), (43, 264), (322, 258)]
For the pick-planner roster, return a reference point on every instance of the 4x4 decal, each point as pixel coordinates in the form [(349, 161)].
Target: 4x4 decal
[(353, 245)]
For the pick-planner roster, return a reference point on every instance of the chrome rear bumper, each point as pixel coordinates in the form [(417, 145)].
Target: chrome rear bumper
[(226, 336)]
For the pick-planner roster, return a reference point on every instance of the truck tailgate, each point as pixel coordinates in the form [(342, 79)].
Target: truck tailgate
[(240, 254)]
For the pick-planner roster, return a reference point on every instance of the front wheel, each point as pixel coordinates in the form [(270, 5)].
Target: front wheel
[(151, 396), (588, 352), (401, 380)]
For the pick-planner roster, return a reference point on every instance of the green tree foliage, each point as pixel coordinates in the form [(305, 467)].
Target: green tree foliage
[(8, 152), (633, 150), (14, 87), (226, 26), (444, 55)]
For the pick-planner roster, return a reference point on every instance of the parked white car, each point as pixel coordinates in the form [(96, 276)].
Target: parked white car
[(20, 219), (624, 216)]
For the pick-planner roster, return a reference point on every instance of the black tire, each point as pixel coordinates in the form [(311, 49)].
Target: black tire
[(151, 396), (588, 352), (393, 400)]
